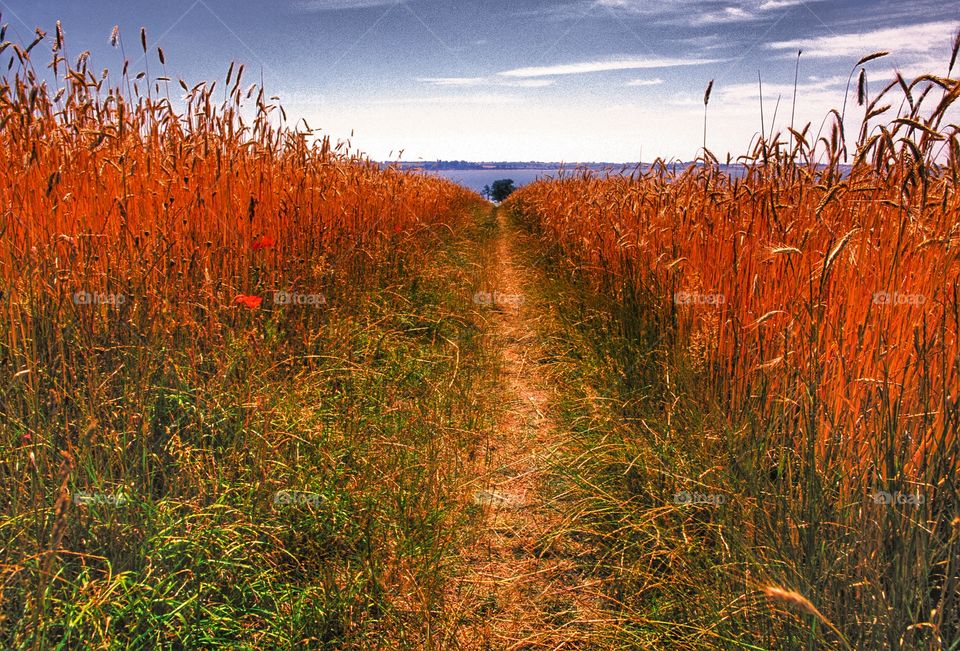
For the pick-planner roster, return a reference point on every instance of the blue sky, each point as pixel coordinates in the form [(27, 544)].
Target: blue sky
[(570, 80)]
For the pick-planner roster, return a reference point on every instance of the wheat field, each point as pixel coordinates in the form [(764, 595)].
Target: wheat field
[(810, 308), (254, 382)]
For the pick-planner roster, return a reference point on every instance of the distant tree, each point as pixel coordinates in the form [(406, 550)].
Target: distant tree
[(486, 192), (502, 189)]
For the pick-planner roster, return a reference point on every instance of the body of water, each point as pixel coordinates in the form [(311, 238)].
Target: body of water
[(476, 179)]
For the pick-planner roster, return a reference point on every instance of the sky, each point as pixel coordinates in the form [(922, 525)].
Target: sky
[(492, 80)]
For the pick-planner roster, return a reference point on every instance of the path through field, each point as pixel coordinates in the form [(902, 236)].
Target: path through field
[(522, 588)]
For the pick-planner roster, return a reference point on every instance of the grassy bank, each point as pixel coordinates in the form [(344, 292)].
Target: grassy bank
[(293, 487)]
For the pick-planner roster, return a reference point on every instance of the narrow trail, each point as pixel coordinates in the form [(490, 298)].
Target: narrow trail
[(522, 588)]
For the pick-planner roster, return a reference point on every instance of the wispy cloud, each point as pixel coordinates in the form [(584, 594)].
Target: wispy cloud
[(820, 93), (699, 12), (645, 82), (918, 39), (474, 82), (633, 6), (815, 91), (605, 65), (473, 98), (316, 6), (725, 15), (769, 5)]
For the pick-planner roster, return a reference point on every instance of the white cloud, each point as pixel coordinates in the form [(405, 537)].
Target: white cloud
[(313, 6), (476, 98), (451, 81), (818, 91), (625, 5), (602, 66), (744, 98), (645, 82), (779, 4), (727, 15), (694, 12), (922, 38), (473, 82)]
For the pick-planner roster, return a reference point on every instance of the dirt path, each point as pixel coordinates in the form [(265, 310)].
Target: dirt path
[(522, 589)]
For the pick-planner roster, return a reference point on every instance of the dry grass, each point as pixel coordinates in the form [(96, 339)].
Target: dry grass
[(160, 390), (789, 340)]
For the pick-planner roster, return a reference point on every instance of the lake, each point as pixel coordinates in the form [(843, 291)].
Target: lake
[(476, 179)]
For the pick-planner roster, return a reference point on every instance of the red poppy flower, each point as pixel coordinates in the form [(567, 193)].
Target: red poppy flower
[(249, 302), (264, 242)]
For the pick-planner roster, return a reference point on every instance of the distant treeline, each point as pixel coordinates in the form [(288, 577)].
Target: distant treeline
[(734, 169), (502, 165)]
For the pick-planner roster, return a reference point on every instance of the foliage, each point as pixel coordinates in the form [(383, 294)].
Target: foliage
[(502, 189)]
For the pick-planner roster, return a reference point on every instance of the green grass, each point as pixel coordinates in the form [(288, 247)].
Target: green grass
[(370, 414), (364, 411)]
